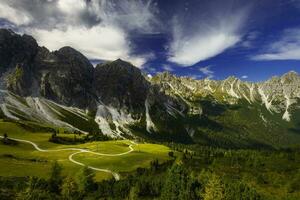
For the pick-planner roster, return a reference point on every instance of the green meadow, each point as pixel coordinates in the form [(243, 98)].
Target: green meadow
[(22, 159)]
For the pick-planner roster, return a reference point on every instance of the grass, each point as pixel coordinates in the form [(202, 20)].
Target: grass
[(23, 160), (141, 157)]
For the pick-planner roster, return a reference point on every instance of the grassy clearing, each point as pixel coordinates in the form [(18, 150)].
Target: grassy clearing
[(23, 160), (141, 157)]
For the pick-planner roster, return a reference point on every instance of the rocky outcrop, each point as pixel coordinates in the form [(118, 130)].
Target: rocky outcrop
[(65, 76), (121, 85), (16, 61), (62, 88)]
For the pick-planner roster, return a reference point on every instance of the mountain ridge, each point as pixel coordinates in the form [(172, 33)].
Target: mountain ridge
[(115, 98)]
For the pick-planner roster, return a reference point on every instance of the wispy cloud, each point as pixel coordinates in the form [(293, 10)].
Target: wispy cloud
[(249, 40), (207, 71), (13, 15), (100, 29), (199, 38), (167, 67), (244, 77), (286, 47), (195, 76), (150, 69)]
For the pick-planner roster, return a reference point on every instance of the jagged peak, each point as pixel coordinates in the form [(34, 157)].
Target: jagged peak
[(290, 77), (72, 54), (231, 79), (290, 74), (11, 33), (122, 62), (118, 66), (118, 61), (272, 79), (165, 74)]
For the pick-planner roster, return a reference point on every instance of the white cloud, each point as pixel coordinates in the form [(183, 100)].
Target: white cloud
[(130, 15), (140, 60), (100, 29), (287, 47), (167, 67), (151, 69), (207, 71), (249, 40), (244, 77), (13, 15), (189, 51), (207, 37), (71, 7), (195, 76), (85, 40)]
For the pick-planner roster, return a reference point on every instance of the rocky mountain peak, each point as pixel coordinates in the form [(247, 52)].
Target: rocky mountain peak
[(291, 76), (231, 79), (70, 53), (16, 49), (59, 87), (120, 84)]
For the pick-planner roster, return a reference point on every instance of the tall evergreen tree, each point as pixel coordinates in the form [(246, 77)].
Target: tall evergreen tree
[(214, 189), (240, 190), (55, 180), (133, 194), (70, 189), (85, 180), (176, 185), (34, 191)]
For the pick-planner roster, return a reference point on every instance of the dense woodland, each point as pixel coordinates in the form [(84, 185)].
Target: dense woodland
[(195, 172)]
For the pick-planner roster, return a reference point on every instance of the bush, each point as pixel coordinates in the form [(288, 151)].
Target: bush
[(171, 154)]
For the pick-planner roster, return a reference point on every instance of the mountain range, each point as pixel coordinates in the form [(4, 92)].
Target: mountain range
[(63, 89)]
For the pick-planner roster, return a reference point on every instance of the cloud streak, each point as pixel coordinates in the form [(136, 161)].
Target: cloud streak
[(197, 38), (15, 16), (167, 67), (286, 47), (207, 71)]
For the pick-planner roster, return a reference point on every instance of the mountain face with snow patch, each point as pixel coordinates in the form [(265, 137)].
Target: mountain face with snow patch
[(63, 89), (233, 111)]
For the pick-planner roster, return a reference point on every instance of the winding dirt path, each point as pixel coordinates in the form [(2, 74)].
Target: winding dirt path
[(79, 151)]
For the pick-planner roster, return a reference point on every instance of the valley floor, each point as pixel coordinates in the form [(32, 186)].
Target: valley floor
[(33, 155)]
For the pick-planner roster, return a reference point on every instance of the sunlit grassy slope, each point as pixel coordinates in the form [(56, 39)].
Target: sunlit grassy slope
[(23, 160)]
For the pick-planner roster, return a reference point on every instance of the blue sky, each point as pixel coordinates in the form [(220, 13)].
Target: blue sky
[(252, 40)]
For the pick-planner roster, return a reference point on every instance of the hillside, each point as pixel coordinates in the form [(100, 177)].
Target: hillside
[(62, 89)]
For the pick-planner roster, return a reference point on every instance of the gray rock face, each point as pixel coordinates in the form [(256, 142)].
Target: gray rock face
[(121, 85), (59, 87), (16, 49), (16, 57), (65, 76), (276, 94)]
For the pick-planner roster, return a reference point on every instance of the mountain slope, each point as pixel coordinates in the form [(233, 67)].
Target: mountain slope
[(244, 113), (62, 89)]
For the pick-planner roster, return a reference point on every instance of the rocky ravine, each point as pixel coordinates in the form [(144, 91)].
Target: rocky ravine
[(62, 88)]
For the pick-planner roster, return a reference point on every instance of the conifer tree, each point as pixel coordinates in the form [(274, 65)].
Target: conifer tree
[(56, 178), (85, 180), (70, 189), (214, 189)]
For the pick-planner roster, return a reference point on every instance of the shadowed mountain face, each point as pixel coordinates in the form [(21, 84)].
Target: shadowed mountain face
[(64, 76), (62, 88), (16, 58), (120, 84)]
